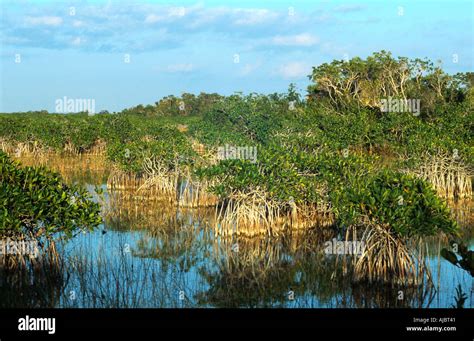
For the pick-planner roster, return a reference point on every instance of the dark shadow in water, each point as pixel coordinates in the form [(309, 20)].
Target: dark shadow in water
[(34, 285)]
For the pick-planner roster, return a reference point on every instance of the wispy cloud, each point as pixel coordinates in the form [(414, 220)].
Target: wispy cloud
[(177, 68), (253, 16), (166, 15), (193, 46), (116, 27), (44, 20), (349, 8), (250, 68), (78, 23), (294, 70), (77, 41), (303, 39)]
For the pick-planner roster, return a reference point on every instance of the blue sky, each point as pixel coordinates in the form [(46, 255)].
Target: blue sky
[(79, 49)]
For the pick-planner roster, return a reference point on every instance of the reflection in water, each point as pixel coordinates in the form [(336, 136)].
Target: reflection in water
[(294, 271), (148, 254), (37, 283)]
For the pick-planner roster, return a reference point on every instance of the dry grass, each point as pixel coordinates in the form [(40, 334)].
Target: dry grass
[(125, 210), (175, 186), (36, 149), (98, 148), (19, 149), (182, 128), (67, 164), (80, 168)]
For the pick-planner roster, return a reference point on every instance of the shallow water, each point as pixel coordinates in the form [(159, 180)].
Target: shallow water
[(152, 255)]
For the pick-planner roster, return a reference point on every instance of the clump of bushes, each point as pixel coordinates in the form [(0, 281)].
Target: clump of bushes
[(35, 203)]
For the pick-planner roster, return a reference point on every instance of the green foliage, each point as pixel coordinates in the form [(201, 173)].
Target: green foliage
[(300, 143), (54, 131), (356, 187), (186, 105), (253, 117), (276, 172), (167, 145), (407, 204), (35, 202)]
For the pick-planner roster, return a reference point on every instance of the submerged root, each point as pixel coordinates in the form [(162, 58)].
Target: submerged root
[(159, 179), (387, 259), (28, 281), (254, 213), (175, 186), (194, 193), (119, 180)]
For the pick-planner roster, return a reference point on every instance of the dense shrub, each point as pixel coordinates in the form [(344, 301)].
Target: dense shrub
[(34, 202)]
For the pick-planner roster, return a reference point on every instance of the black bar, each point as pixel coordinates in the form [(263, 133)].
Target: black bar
[(88, 322)]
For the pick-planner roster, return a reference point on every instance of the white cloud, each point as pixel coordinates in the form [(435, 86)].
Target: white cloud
[(294, 70), (77, 23), (349, 8), (176, 11), (253, 16), (180, 68), (304, 39), (249, 68), (116, 27), (171, 13), (46, 20), (77, 41), (201, 16), (152, 18)]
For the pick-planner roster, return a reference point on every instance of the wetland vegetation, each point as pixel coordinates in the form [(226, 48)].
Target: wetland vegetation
[(140, 209)]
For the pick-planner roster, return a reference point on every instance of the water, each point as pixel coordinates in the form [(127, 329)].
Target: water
[(150, 255)]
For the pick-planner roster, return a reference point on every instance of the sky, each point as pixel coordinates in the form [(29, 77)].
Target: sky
[(125, 53)]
